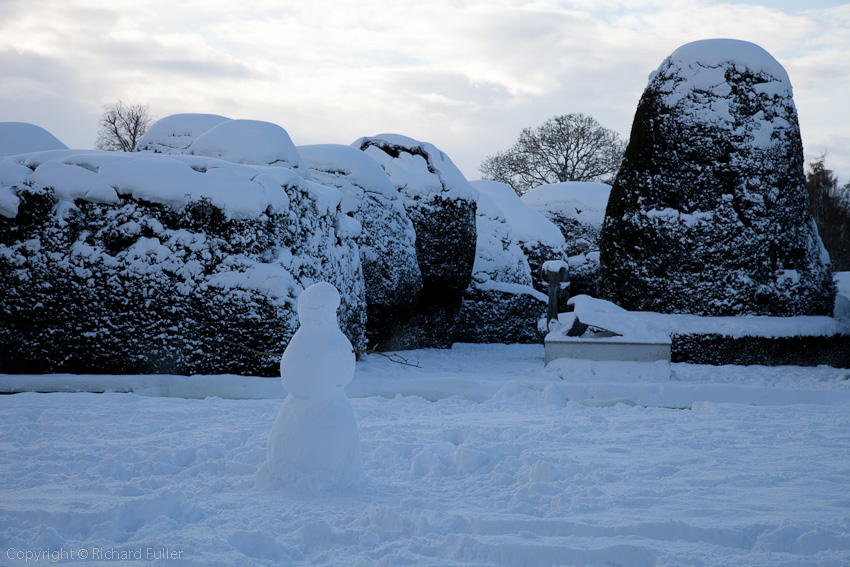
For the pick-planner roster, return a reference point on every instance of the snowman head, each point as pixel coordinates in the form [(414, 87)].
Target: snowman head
[(317, 305)]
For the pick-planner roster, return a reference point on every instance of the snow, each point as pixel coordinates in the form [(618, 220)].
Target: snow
[(555, 266), (527, 224), (748, 325), (12, 172), (251, 142), (379, 224), (604, 315), (170, 181), (360, 172), (69, 182), (716, 52), (512, 288), (720, 185), (421, 170), (581, 201), (700, 69), (289, 233), (22, 137), (238, 164), (173, 134), (842, 280), (479, 457), (243, 191), (498, 257)]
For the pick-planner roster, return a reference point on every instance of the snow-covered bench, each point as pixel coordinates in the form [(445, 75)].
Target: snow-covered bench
[(599, 330)]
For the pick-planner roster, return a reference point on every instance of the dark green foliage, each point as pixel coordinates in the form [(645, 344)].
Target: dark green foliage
[(391, 274), (707, 217), (497, 317), (584, 278), (581, 238), (444, 222), (716, 349), (390, 308), (445, 247), (831, 210)]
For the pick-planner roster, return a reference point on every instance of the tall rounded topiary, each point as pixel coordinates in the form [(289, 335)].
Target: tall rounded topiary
[(709, 213)]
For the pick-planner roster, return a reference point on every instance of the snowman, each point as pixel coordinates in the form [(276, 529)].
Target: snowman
[(315, 439)]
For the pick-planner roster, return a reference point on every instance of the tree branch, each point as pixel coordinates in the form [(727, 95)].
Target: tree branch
[(394, 357)]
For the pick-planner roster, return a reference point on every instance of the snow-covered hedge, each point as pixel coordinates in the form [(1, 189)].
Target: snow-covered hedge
[(22, 137), (718, 349), (500, 305), (441, 204), (539, 238), (578, 210), (174, 134), (709, 213), (143, 263), (384, 234)]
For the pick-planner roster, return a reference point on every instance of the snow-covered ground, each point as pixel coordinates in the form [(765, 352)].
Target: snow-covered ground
[(480, 456)]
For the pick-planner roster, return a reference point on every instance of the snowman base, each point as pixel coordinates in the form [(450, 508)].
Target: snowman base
[(314, 444)]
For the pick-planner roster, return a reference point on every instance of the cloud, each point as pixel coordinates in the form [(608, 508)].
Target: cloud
[(466, 75)]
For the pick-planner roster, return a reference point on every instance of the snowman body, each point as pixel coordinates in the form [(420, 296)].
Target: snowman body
[(316, 431)]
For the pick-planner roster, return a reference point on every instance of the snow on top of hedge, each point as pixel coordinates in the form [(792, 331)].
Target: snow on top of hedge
[(251, 142), (172, 182), (352, 171), (241, 191), (695, 80), (528, 225), (22, 137), (241, 166), (173, 134), (420, 169), (716, 52), (582, 201)]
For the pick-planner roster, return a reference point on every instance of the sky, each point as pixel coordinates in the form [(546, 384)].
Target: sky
[(464, 75)]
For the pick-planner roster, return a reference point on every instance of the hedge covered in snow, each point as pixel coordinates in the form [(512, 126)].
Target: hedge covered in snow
[(384, 235), (441, 204), (709, 212), (144, 263), (500, 305), (539, 239), (578, 210)]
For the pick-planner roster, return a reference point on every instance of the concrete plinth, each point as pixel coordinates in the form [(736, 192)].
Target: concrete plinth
[(609, 348)]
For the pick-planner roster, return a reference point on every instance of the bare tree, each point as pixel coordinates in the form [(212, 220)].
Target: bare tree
[(569, 147), (122, 126)]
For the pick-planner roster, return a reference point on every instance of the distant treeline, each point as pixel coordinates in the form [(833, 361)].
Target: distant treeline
[(830, 205)]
